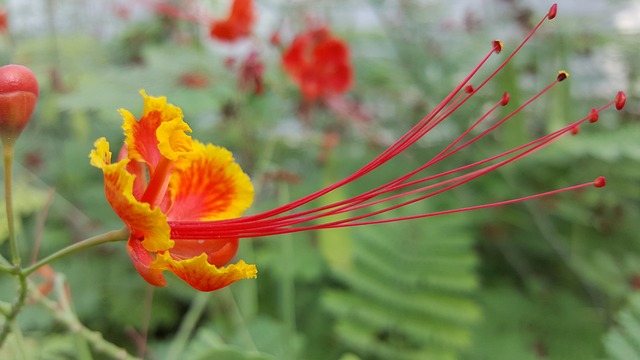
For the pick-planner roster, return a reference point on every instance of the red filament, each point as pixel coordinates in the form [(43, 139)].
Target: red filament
[(413, 186)]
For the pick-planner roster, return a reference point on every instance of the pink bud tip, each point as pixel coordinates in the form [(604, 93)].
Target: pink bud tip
[(18, 96), (600, 181), (497, 46), (621, 99), (593, 115), (562, 75), (505, 99), (468, 89), (575, 130), (553, 11)]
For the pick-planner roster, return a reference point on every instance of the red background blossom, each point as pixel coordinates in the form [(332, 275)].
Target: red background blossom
[(3, 20), (318, 63), (237, 25)]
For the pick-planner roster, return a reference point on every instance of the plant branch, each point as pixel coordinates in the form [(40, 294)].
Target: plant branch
[(7, 152), (188, 325), (15, 308), (65, 316), (111, 236)]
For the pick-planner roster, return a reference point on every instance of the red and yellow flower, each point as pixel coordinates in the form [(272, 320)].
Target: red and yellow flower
[(182, 200), (163, 175)]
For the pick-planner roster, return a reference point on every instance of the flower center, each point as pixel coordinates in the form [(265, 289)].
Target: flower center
[(158, 182)]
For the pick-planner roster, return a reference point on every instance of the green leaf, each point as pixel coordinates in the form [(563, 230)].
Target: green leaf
[(622, 342), (407, 297)]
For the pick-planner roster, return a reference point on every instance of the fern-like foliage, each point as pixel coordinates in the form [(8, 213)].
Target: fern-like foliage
[(622, 342), (407, 295)]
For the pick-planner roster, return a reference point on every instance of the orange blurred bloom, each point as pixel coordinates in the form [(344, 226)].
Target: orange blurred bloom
[(237, 25), (3, 20), (163, 175), (318, 63)]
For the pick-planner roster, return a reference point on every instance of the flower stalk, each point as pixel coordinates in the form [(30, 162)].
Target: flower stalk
[(111, 236), (7, 156)]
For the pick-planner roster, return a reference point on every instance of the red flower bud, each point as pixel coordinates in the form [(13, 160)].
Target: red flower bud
[(18, 96)]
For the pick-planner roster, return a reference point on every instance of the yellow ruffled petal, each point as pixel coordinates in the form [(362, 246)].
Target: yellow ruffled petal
[(101, 155), (140, 135), (142, 221), (208, 184), (203, 276), (172, 140), (159, 104)]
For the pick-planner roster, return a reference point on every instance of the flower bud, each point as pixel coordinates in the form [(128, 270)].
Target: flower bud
[(18, 96)]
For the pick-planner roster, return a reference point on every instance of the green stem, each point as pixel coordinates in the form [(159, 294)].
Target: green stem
[(287, 285), (15, 309), (111, 236), (238, 319), (188, 324), (5, 308), (7, 152), (18, 340), (94, 338), (83, 351)]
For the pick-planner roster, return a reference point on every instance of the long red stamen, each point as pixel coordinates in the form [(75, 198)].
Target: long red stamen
[(407, 188), (157, 182), (279, 226)]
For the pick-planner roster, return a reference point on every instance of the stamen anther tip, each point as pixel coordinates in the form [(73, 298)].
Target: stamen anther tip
[(497, 46), (505, 99), (553, 11), (600, 181), (562, 75), (593, 115), (621, 99)]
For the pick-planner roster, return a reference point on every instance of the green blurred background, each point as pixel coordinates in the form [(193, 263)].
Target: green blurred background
[(550, 279)]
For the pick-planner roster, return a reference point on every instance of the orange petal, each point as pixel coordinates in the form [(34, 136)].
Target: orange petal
[(141, 138), (203, 276), (208, 185), (136, 168), (219, 251), (141, 260), (142, 221)]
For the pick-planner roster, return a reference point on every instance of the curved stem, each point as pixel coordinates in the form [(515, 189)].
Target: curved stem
[(111, 236), (188, 325), (7, 152), (65, 316), (15, 309)]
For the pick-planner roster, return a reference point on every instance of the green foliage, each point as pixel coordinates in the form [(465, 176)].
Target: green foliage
[(536, 324), (531, 281), (207, 344), (51, 347), (622, 341), (407, 296)]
